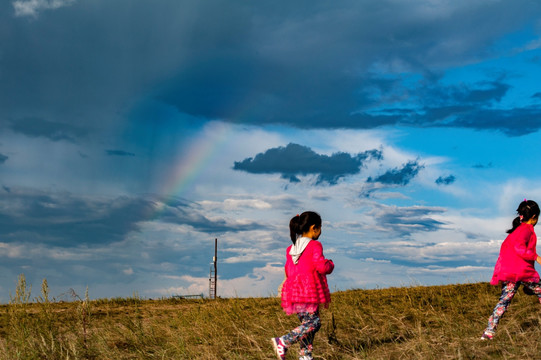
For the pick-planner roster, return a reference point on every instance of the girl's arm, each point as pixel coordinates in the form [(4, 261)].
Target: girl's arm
[(523, 246), (322, 265), (538, 260)]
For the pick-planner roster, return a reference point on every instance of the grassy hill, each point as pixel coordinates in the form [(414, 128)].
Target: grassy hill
[(436, 322)]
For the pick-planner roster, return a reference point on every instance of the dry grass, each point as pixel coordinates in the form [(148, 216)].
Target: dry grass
[(437, 322)]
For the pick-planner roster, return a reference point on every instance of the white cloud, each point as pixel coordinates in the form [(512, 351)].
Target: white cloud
[(372, 260), (32, 7), (41, 251), (263, 281), (350, 141), (516, 190), (423, 252), (247, 254), (236, 204), (12, 251), (532, 45), (194, 286), (260, 282), (446, 270)]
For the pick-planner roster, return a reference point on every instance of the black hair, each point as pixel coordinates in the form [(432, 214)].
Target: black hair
[(526, 210), (300, 224)]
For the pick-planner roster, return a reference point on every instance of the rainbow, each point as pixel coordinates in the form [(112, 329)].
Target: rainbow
[(195, 158)]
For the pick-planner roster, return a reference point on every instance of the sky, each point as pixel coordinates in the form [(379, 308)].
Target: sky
[(134, 133)]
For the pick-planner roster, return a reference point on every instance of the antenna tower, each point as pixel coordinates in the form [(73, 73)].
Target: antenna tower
[(213, 277)]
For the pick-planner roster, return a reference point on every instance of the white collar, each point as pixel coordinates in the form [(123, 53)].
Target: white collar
[(298, 248)]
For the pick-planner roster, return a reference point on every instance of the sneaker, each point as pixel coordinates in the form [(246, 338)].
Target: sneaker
[(306, 358), (487, 336), (279, 348)]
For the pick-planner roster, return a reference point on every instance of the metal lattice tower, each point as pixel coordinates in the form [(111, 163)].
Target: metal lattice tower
[(213, 277)]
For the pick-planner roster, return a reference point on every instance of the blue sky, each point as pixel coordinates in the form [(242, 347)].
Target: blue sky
[(134, 133)]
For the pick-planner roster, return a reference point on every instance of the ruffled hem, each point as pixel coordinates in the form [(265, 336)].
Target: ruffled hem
[(301, 308), (305, 292), (496, 280)]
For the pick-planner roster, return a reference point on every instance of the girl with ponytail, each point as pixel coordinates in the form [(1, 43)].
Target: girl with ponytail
[(515, 265), (305, 287)]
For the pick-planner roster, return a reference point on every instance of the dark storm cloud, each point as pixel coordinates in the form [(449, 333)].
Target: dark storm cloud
[(433, 94), (305, 64), (462, 106), (445, 180), (311, 97), (294, 160), (81, 64), (182, 212), (398, 176), (514, 122), (68, 220), (55, 131), (119, 153), (486, 92), (3, 158), (407, 220)]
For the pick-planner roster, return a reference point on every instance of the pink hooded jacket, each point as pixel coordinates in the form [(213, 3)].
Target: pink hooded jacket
[(517, 257), (306, 284)]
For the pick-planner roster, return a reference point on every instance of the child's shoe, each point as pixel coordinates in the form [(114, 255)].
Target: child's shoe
[(306, 358), (279, 348), (487, 336)]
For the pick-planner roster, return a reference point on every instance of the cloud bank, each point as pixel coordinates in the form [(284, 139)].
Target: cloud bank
[(398, 176), (445, 180), (294, 160), (252, 64)]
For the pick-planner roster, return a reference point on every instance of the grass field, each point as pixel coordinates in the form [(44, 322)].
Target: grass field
[(436, 322)]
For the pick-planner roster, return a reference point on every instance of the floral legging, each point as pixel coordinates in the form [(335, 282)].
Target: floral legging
[(509, 289), (310, 324)]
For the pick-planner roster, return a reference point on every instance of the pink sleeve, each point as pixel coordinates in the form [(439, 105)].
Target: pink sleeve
[(322, 265), (525, 245), (288, 259)]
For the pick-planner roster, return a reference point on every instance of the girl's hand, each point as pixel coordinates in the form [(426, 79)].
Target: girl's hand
[(538, 260)]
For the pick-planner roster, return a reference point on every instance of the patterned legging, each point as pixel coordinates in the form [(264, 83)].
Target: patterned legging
[(509, 289), (310, 324)]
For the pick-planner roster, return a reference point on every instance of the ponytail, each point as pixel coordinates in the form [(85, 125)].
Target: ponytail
[(526, 210), (300, 224)]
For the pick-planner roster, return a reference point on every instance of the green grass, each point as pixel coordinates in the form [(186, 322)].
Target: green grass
[(435, 322)]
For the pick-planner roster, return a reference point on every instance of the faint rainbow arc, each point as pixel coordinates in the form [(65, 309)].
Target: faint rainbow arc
[(186, 171)]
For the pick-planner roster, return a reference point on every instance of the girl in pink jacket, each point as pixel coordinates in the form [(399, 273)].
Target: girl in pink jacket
[(305, 287), (515, 265)]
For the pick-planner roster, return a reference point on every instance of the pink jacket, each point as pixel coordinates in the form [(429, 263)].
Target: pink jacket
[(517, 257), (306, 284)]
